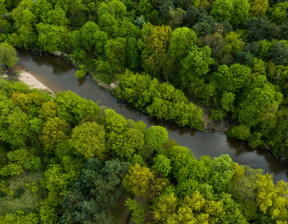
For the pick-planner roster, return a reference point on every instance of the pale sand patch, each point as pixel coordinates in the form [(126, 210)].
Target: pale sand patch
[(28, 79), (32, 82)]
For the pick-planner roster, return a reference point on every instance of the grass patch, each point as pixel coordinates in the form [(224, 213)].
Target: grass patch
[(27, 200), (104, 77)]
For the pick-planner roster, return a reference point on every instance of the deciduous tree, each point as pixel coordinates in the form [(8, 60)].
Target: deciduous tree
[(89, 140), (8, 55)]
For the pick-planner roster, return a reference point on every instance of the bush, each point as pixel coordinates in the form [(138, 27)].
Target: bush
[(18, 193), (80, 74)]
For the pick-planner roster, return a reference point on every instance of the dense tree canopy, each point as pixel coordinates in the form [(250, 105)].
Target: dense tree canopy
[(99, 167), (231, 56), (213, 51)]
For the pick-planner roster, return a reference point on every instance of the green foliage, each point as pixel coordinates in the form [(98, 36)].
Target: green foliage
[(11, 169), (162, 165), (142, 182), (260, 105), (126, 143), (196, 64), (8, 55), (89, 140), (227, 101), (181, 39), (222, 10), (80, 73), (241, 132), (138, 212), (202, 191), (221, 173), (239, 73), (25, 159), (156, 137), (265, 192), (95, 192), (114, 122), (154, 48), (58, 181), (241, 12), (48, 110), (259, 7), (114, 51), (133, 58), (73, 108), (54, 132), (52, 37), (278, 13), (18, 131), (159, 100), (232, 79), (279, 53), (19, 218)]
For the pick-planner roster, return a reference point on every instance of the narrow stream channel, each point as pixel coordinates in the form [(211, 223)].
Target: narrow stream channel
[(60, 77)]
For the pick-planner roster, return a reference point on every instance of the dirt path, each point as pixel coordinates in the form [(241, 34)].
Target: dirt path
[(17, 204)]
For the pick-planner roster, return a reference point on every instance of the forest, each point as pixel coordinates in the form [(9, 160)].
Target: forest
[(64, 159), (226, 55)]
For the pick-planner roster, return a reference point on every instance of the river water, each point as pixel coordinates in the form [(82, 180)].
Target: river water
[(60, 77)]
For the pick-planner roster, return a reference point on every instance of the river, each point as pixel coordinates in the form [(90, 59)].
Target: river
[(60, 77)]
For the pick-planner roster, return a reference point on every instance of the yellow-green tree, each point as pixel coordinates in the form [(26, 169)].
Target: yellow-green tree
[(89, 140), (258, 7), (54, 131), (142, 182)]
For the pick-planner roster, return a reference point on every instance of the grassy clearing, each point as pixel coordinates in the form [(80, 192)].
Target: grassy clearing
[(104, 77), (27, 201)]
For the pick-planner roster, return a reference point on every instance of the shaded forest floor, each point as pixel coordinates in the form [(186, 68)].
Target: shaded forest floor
[(25, 188)]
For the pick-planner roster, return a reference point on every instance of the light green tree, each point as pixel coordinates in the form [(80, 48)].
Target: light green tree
[(54, 132), (162, 165), (182, 38), (156, 137), (114, 121), (52, 37), (89, 140), (115, 52), (241, 12), (8, 55), (196, 64), (126, 143), (222, 10)]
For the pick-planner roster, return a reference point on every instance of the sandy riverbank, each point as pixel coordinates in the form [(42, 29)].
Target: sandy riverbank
[(27, 78)]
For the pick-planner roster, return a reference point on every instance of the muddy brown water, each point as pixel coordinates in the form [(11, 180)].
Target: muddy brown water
[(60, 77)]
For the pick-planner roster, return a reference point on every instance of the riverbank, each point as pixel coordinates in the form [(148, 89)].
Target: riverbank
[(19, 73), (59, 76), (221, 126), (210, 125)]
